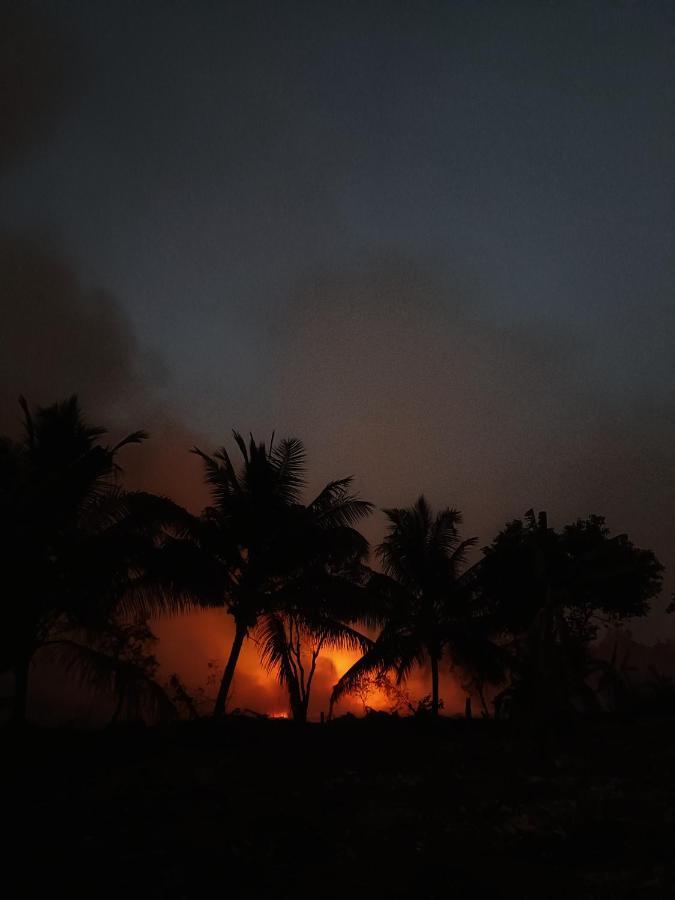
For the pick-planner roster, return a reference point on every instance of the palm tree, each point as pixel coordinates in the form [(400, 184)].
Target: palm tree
[(425, 598), (322, 600), (73, 541), (276, 565)]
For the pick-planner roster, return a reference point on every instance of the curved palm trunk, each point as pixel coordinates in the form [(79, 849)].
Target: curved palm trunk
[(435, 704), (221, 701), (20, 702)]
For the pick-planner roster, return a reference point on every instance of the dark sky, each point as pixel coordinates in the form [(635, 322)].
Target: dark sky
[(434, 239)]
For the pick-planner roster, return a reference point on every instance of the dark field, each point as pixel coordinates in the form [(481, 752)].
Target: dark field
[(354, 808)]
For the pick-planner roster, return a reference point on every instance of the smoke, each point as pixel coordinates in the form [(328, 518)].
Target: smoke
[(399, 371), (393, 358), (40, 73), (60, 337)]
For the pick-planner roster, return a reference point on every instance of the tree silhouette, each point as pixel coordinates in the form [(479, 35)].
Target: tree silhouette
[(284, 571), (549, 592), (127, 651), (73, 545), (425, 598), (320, 602)]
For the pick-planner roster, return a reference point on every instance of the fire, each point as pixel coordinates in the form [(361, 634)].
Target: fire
[(188, 642)]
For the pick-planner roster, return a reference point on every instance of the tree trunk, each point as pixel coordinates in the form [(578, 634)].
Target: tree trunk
[(225, 685), (299, 711), (434, 686), (484, 707), (117, 714), (297, 703), (20, 703)]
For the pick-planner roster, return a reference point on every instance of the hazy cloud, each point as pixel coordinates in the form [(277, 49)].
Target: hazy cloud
[(397, 371), (40, 71)]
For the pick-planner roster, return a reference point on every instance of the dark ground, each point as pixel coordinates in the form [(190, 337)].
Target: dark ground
[(354, 808)]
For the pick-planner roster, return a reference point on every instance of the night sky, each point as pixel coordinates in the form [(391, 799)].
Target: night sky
[(433, 239)]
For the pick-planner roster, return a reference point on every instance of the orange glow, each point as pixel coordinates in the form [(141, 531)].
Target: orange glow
[(195, 646)]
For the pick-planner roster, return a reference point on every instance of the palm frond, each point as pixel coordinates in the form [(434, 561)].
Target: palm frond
[(370, 663), (136, 437), (443, 535), (219, 474), (241, 443), (28, 423), (331, 632), (394, 650), (274, 651), (458, 555), (336, 506), (122, 679), (289, 462), (175, 578)]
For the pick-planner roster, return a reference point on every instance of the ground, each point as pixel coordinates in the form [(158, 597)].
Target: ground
[(354, 808)]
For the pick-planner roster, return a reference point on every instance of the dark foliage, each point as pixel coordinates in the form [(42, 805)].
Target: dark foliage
[(548, 592), (73, 547)]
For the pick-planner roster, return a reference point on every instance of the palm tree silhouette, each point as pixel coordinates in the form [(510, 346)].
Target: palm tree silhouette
[(73, 545), (284, 571), (424, 598), (322, 599)]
